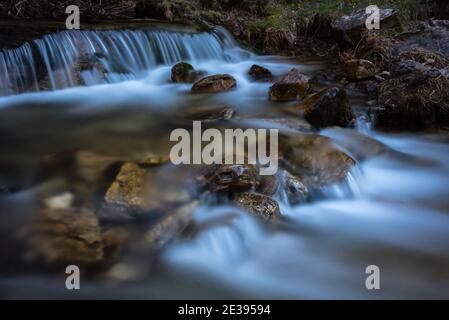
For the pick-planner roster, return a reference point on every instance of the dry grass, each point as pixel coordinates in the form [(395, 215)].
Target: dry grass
[(425, 57), (411, 100), (56, 8)]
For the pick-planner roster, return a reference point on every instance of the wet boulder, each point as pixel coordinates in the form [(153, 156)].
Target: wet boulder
[(293, 86), (268, 185), (295, 190), (351, 27), (259, 73), (329, 107), (184, 73), (314, 159), (94, 171), (359, 69), (215, 84), (138, 191), (228, 177), (258, 205), (358, 145), (64, 236), (207, 114), (170, 226), (431, 36)]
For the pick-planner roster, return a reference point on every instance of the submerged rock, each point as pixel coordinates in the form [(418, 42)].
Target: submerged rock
[(184, 73), (94, 171), (293, 86), (259, 73), (359, 69), (212, 114), (170, 226), (358, 145), (152, 159), (268, 185), (137, 191), (128, 191), (214, 84), (314, 159), (329, 107), (258, 205), (229, 177), (65, 236), (295, 190)]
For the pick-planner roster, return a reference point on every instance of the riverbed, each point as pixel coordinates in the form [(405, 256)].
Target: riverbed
[(391, 212)]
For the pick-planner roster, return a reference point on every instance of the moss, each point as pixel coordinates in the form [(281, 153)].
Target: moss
[(278, 17)]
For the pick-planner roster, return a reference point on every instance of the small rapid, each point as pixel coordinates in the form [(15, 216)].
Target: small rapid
[(391, 212)]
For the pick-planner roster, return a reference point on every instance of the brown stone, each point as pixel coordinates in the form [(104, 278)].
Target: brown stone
[(359, 69), (259, 73), (314, 159), (293, 86), (214, 84), (258, 205), (65, 236)]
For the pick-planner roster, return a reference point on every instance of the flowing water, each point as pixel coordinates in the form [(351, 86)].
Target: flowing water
[(391, 212)]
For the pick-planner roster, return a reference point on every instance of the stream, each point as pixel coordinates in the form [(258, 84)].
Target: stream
[(391, 212)]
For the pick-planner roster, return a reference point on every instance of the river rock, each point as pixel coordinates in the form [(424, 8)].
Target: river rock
[(152, 159), (210, 114), (228, 177), (329, 107), (295, 190), (258, 205), (214, 84), (359, 145), (184, 73), (293, 86), (65, 236), (351, 27), (268, 185), (259, 73), (94, 171), (170, 226), (432, 36), (359, 69), (137, 192), (314, 159)]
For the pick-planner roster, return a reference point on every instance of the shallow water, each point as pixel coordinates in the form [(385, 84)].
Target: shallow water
[(392, 212)]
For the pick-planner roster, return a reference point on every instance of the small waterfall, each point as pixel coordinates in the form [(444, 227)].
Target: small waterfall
[(70, 58), (17, 70)]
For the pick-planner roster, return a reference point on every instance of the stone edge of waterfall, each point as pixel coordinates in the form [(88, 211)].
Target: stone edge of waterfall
[(60, 60), (15, 33)]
